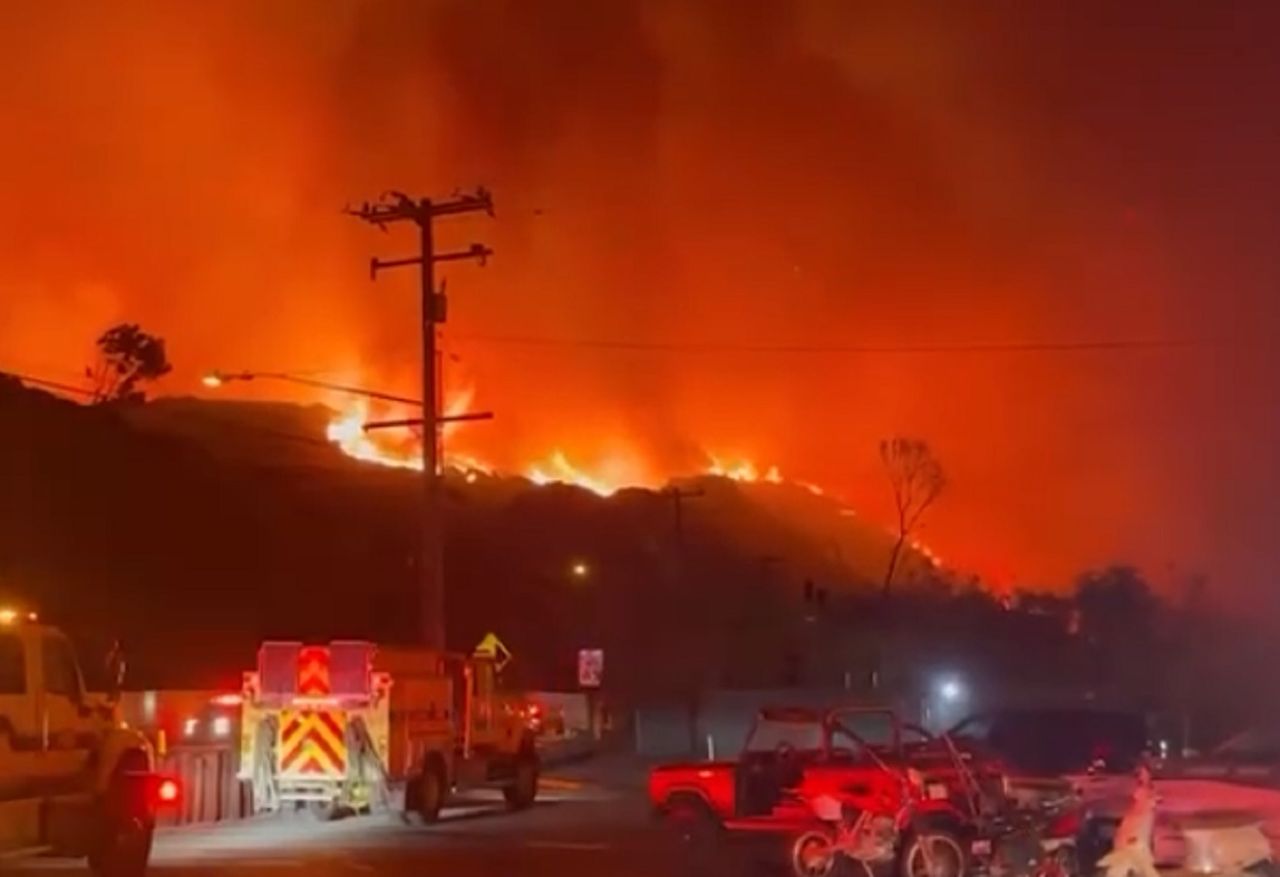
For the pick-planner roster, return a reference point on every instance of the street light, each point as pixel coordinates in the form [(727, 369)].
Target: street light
[(216, 379), (579, 569), (951, 690)]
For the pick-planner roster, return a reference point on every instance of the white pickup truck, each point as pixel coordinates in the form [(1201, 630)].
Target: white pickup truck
[(74, 780)]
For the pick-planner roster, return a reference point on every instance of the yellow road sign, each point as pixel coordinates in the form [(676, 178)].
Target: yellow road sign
[(492, 647)]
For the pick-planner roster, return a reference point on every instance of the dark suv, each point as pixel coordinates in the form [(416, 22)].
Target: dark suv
[(1055, 742)]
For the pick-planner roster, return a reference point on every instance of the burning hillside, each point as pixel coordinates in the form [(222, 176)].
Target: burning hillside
[(603, 477), (401, 449)]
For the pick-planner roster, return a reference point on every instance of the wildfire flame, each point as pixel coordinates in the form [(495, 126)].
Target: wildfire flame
[(606, 478), (743, 470), (397, 448), (401, 449), (348, 433), (614, 475)]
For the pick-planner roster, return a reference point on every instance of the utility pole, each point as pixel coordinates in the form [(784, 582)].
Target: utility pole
[(678, 495), (697, 677), (422, 212)]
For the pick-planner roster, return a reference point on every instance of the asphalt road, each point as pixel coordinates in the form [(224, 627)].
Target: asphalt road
[(592, 831)]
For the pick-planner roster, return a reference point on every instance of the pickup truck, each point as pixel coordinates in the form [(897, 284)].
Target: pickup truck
[(74, 780), (793, 756)]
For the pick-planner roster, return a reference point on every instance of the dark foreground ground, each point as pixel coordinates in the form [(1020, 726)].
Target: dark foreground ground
[(580, 828)]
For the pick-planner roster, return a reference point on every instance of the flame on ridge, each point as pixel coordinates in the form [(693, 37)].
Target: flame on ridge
[(613, 475), (606, 479), (399, 448), (743, 470)]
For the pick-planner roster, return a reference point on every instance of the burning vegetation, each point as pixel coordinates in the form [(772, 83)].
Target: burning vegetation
[(402, 450)]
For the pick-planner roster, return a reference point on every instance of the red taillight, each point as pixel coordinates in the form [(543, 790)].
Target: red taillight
[(1065, 825), (167, 791)]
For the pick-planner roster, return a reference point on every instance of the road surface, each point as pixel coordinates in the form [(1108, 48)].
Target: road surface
[(588, 831)]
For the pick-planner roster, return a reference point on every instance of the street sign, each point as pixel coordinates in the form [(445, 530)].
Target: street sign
[(590, 667), (492, 647)]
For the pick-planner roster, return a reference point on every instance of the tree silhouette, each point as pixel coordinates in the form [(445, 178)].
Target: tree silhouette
[(1115, 604), (127, 356), (917, 480)]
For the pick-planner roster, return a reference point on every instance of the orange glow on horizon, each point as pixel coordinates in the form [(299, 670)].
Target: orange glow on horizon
[(852, 223)]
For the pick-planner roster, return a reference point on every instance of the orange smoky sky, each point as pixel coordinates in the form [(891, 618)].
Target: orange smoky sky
[(763, 189)]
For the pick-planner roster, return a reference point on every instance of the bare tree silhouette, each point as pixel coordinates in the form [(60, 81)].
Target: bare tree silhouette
[(917, 480)]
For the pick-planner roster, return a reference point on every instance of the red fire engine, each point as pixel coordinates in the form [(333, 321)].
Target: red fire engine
[(352, 726)]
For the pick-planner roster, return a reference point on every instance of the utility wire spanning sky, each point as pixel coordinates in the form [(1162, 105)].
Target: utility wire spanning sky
[(1023, 231)]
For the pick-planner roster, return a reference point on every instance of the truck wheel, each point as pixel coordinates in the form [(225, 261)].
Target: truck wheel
[(694, 829), (327, 811), (429, 797), (523, 790), (124, 845)]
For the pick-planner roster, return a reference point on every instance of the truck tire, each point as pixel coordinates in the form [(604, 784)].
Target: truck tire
[(523, 790), (428, 793), (694, 828), (124, 841)]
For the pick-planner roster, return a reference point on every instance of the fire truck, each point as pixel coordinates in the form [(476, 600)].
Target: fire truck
[(350, 727), (74, 780)]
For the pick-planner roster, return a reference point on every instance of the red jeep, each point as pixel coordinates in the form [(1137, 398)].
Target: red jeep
[(793, 756)]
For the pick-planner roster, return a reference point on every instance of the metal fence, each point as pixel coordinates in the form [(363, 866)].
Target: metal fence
[(210, 790)]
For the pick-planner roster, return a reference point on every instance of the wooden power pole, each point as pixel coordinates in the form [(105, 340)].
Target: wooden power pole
[(422, 212)]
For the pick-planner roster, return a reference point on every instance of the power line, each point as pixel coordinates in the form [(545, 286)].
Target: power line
[(45, 382), (713, 347)]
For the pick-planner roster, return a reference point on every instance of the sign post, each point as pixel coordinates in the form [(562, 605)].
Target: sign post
[(590, 678), (590, 668)]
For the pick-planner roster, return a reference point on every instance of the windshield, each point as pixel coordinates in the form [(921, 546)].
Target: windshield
[(771, 734), (874, 728)]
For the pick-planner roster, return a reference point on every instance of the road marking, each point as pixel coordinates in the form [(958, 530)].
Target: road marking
[(578, 846)]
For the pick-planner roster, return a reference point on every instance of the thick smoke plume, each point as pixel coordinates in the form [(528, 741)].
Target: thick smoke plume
[(715, 177)]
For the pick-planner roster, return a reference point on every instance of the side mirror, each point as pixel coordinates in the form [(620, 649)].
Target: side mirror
[(115, 665)]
